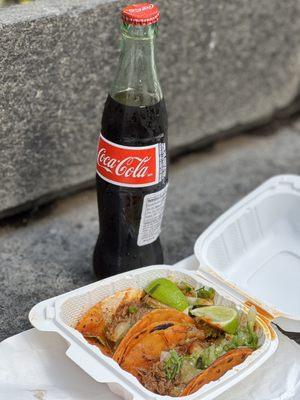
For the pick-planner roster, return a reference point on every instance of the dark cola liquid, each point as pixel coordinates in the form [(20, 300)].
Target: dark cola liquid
[(120, 207)]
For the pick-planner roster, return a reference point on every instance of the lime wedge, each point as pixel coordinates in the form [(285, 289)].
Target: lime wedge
[(168, 293), (221, 317)]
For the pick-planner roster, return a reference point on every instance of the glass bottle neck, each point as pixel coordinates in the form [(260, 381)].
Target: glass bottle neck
[(136, 83)]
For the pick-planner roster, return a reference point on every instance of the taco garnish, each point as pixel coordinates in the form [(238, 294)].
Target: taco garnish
[(220, 317), (167, 292)]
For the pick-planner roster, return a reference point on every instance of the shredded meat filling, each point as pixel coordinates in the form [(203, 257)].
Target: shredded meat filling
[(155, 380), (127, 315)]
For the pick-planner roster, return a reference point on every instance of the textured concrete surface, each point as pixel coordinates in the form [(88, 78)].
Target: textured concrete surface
[(222, 65), (48, 252)]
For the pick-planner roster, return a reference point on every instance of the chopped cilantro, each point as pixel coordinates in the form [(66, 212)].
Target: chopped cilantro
[(132, 309), (206, 292), (173, 365)]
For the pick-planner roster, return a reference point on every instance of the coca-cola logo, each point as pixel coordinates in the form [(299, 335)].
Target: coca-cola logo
[(128, 166)]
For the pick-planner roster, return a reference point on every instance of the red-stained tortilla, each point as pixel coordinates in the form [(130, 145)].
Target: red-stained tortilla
[(154, 317)]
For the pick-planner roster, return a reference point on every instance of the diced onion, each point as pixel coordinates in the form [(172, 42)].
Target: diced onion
[(121, 330), (164, 355)]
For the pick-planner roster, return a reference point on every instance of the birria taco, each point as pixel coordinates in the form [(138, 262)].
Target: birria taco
[(110, 319), (148, 322)]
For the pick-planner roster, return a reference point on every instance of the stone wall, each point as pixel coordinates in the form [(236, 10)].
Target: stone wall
[(223, 65)]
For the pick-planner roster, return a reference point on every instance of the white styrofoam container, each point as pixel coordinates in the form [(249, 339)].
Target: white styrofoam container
[(250, 255), (254, 248), (60, 314)]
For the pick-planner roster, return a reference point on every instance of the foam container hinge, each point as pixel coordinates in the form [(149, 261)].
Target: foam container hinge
[(60, 314), (254, 249)]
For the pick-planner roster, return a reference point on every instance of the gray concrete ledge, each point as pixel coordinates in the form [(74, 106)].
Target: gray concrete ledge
[(222, 65), (38, 9)]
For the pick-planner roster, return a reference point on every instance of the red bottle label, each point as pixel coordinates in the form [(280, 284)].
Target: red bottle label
[(129, 166)]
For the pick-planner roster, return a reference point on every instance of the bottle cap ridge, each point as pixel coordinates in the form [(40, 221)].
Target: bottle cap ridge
[(140, 14)]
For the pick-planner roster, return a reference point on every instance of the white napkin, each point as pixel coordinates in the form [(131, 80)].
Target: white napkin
[(33, 366)]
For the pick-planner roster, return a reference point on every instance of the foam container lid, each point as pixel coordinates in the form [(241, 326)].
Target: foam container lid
[(253, 250)]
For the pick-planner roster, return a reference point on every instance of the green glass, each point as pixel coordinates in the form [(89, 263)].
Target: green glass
[(136, 82)]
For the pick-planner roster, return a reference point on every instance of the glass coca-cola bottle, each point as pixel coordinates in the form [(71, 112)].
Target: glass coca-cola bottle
[(132, 166)]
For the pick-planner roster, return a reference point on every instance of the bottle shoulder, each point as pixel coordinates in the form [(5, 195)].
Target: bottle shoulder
[(133, 125)]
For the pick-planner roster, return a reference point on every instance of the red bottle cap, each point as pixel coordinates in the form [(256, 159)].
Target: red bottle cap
[(140, 14)]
